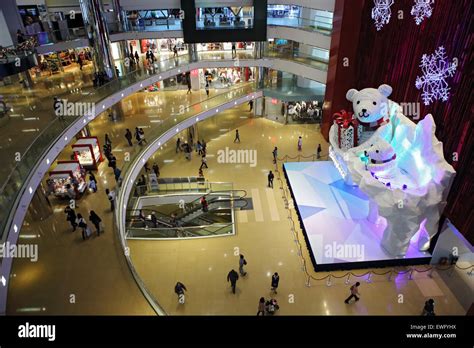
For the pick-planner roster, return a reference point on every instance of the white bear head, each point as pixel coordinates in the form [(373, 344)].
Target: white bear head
[(370, 104), (382, 156)]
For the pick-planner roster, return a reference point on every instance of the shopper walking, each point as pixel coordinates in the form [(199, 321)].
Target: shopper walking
[(81, 222), (117, 173), (188, 81), (261, 306), (92, 184), (234, 50), (232, 277), (146, 166), (137, 58), (156, 170), (300, 143), (187, 150), (178, 144), (137, 134), (199, 148), (71, 217), (179, 289), (111, 198), (354, 293), (242, 263), (204, 204), (428, 309), (318, 152), (141, 135), (270, 179), (203, 161), (250, 105), (107, 140), (207, 89), (237, 136), (112, 162), (175, 52), (275, 155), (128, 136), (154, 220), (96, 220), (275, 282)]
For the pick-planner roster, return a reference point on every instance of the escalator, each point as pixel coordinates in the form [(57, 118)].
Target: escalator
[(190, 220), (215, 200), (134, 221)]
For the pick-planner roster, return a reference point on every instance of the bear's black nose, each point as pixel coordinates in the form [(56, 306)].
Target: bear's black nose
[(364, 110)]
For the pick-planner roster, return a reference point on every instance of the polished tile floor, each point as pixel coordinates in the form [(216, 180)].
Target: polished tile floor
[(264, 237), (95, 272)]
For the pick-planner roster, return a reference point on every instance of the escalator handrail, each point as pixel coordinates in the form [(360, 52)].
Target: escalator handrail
[(159, 220), (177, 211)]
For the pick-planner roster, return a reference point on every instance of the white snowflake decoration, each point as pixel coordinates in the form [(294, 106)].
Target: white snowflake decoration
[(422, 9), (435, 68), (381, 12)]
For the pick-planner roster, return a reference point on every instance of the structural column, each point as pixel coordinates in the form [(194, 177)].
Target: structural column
[(195, 83), (94, 21), (259, 49), (12, 18), (192, 52)]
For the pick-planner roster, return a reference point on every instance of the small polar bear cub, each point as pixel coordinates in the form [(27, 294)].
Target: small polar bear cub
[(382, 160), (371, 107)]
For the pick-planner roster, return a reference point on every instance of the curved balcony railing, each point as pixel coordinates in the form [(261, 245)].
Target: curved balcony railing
[(213, 230), (126, 201), (21, 170), (300, 57), (303, 24), (172, 24)]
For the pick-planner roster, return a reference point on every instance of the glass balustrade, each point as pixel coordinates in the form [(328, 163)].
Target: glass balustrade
[(19, 171), (180, 232), (302, 23), (165, 24)]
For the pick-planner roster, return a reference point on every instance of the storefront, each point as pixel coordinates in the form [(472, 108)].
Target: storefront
[(67, 176), (157, 46), (224, 46), (87, 152), (283, 11), (293, 112), (225, 77), (56, 62)]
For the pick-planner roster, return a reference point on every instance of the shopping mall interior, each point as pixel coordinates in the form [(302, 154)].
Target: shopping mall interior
[(189, 157)]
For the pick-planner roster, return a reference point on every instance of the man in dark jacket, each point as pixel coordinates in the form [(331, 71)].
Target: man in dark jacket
[(270, 179), (232, 277), (71, 217), (128, 136), (275, 282), (428, 310)]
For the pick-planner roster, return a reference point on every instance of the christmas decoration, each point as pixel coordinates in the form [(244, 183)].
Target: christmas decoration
[(435, 68), (381, 12), (400, 167), (421, 9), (348, 130)]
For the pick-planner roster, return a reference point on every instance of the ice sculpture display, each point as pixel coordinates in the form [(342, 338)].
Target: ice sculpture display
[(398, 164)]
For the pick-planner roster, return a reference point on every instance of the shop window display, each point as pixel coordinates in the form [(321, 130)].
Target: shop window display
[(67, 180), (305, 111), (87, 152)]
